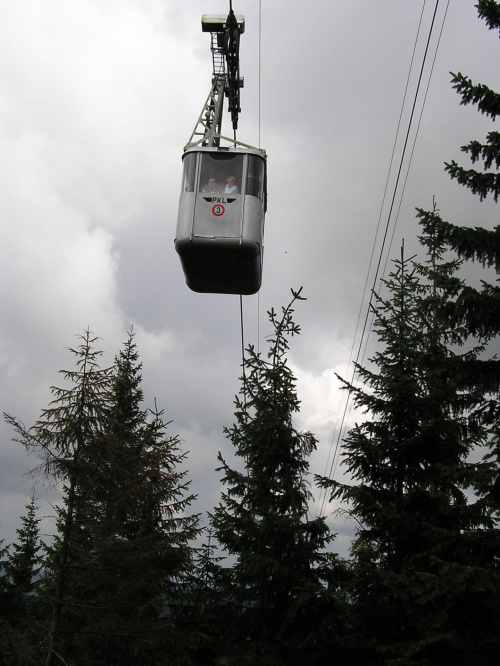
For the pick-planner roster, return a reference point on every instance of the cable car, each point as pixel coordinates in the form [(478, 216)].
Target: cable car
[(220, 223), (220, 226)]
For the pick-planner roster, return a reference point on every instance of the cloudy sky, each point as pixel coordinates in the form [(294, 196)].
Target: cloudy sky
[(97, 100)]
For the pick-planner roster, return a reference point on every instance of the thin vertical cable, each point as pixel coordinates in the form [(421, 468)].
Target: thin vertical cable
[(243, 352), (260, 51), (258, 115), (258, 322)]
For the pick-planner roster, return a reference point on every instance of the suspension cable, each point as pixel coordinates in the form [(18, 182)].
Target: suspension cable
[(416, 135), (330, 471), (334, 458), (258, 121), (260, 65), (243, 352)]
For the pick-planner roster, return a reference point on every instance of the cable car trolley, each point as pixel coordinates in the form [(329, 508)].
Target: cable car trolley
[(220, 224)]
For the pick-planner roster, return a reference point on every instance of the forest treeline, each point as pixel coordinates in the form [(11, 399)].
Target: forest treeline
[(125, 579)]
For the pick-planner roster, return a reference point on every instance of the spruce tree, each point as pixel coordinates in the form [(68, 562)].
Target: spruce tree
[(478, 308), (5, 607), (276, 584), (205, 605), (139, 541), (23, 577), (471, 381), (66, 439), (414, 567), (486, 182), (24, 563), (114, 573)]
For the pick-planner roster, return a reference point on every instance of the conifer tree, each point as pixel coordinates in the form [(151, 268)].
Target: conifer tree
[(487, 101), (478, 308), (5, 607), (23, 565), (139, 541), (114, 572), (205, 603), (23, 571), (489, 10), (276, 582), (415, 568), (66, 440)]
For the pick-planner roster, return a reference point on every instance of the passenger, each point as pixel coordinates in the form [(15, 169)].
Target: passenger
[(231, 187), (211, 186)]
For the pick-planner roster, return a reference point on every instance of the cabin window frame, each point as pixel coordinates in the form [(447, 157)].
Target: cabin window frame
[(189, 173), (255, 184), (212, 166)]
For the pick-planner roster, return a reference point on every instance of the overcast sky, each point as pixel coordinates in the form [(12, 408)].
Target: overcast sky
[(97, 100)]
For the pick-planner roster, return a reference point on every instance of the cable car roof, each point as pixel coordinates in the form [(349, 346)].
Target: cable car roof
[(241, 148)]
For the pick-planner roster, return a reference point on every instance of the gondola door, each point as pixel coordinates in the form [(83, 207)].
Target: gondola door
[(219, 201)]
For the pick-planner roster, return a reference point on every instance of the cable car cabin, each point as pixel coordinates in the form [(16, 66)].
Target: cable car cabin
[(220, 225)]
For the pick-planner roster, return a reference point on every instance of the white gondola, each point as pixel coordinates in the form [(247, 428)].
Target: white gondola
[(220, 224)]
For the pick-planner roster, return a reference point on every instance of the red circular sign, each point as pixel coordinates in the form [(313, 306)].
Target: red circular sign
[(218, 210)]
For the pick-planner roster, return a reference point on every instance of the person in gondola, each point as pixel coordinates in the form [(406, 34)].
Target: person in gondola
[(211, 186), (231, 187)]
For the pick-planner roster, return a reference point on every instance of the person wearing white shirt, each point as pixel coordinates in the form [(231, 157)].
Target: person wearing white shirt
[(231, 187)]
